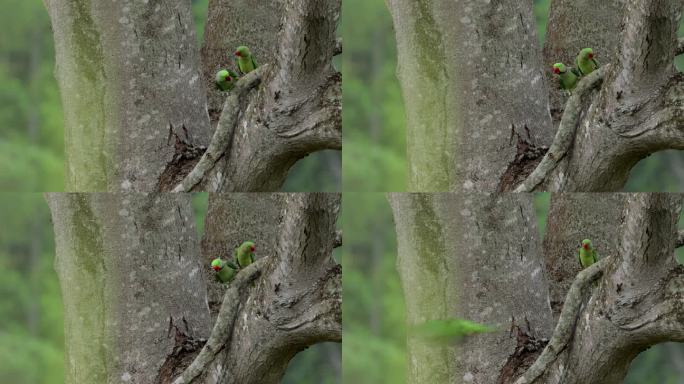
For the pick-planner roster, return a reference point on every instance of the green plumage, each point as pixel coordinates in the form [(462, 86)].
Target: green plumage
[(447, 330), (568, 77), (585, 61), (225, 271), (245, 60), (244, 254), (587, 254), (226, 79)]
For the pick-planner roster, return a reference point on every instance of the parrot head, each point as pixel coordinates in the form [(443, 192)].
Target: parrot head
[(223, 75), (242, 51), (586, 244), (587, 53), (248, 246), (216, 265), (559, 68)]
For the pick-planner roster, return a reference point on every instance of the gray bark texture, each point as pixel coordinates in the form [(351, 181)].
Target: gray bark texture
[(475, 257), (478, 257), (140, 108), (139, 302), (482, 107)]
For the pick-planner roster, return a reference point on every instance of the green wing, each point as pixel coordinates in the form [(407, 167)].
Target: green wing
[(251, 257), (576, 72), (595, 62), (231, 264), (579, 257), (254, 63)]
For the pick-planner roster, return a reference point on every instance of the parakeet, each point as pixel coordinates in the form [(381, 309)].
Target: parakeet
[(448, 329), (585, 61), (587, 254), (567, 76), (225, 79), (225, 270), (245, 60), (244, 254)]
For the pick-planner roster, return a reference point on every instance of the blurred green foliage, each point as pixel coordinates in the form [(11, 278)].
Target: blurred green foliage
[(31, 331), (31, 120)]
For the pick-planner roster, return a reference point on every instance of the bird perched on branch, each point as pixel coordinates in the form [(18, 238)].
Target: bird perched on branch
[(245, 60), (244, 254), (226, 79), (585, 61), (568, 77), (587, 254), (225, 270)]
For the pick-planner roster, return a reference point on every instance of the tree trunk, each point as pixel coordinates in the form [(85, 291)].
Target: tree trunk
[(471, 76), (136, 97), (131, 91), (475, 257), (479, 103), (136, 307), (133, 292), (567, 226)]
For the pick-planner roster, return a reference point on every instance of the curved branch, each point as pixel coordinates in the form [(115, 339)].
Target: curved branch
[(566, 322), (221, 141), (220, 334), (566, 131)]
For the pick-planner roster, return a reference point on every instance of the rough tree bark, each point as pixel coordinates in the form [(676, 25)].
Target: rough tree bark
[(471, 76), (135, 296), (479, 100), (476, 257), (131, 283), (135, 93), (638, 298)]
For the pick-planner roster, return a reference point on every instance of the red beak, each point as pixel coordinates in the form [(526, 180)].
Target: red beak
[(591, 56), (253, 248), (585, 246), (556, 71), (237, 53), (216, 268)]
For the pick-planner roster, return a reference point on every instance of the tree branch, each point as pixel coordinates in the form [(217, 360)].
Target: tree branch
[(221, 333), (566, 322), (221, 141), (566, 131)]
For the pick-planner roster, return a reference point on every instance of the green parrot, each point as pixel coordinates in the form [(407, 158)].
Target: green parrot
[(585, 61), (245, 60), (587, 254), (225, 79), (244, 254), (448, 330), (225, 270), (568, 77)]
